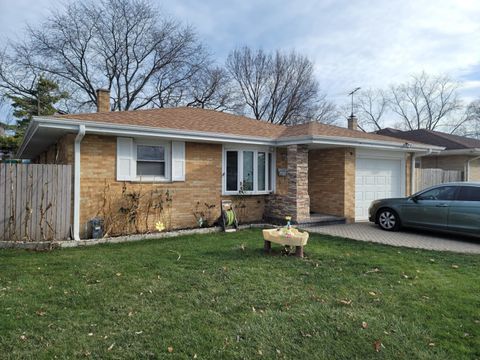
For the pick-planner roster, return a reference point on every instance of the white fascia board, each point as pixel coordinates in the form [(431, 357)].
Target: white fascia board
[(472, 152), (361, 143), (139, 131), (31, 130)]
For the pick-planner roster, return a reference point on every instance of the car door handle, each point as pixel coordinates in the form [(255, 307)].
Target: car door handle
[(441, 205)]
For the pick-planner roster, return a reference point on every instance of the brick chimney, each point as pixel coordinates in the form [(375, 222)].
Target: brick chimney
[(103, 100), (352, 122)]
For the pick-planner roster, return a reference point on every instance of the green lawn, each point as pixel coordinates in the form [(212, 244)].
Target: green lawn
[(218, 296)]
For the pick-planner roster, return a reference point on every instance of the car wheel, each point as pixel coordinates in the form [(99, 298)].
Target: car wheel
[(388, 220)]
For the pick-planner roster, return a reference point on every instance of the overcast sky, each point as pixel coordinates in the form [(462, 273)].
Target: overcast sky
[(352, 42)]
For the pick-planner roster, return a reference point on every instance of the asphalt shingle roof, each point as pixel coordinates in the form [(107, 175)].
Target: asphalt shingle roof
[(210, 121), (449, 141)]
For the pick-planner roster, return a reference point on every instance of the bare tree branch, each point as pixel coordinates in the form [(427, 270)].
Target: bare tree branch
[(427, 102), (279, 88)]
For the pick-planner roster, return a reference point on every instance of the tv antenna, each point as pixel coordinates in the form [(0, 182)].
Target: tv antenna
[(351, 94)]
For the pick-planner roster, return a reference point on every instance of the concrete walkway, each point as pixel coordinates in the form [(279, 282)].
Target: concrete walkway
[(408, 238)]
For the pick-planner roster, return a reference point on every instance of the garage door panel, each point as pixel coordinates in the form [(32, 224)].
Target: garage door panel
[(375, 179)]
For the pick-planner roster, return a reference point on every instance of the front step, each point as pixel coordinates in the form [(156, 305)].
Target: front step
[(322, 220), (314, 220)]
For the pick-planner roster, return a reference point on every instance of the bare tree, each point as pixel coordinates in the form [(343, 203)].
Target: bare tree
[(279, 88), (211, 88), (427, 102), (371, 106), (471, 126), (126, 46)]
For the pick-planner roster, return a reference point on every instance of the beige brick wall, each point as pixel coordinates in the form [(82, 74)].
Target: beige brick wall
[(202, 184), (332, 182)]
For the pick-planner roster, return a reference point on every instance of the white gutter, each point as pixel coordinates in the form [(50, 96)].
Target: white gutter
[(31, 130), (471, 151), (468, 166), (138, 131), (145, 131), (76, 183), (357, 142)]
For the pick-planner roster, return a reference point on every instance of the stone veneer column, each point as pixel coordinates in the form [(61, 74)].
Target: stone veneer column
[(297, 201)]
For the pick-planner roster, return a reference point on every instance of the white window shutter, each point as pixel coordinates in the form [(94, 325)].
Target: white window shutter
[(178, 161), (126, 159)]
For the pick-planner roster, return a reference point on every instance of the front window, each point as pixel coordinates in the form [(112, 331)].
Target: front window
[(151, 160), (261, 162), (232, 171), (248, 171)]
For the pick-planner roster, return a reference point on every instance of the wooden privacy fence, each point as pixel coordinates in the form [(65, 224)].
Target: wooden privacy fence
[(431, 177), (35, 202)]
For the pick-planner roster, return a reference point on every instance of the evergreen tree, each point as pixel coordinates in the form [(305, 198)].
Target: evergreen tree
[(40, 101)]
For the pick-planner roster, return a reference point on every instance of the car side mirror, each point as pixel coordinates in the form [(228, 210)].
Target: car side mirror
[(414, 199)]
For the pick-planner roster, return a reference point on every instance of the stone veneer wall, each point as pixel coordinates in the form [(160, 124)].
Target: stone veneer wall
[(291, 197)]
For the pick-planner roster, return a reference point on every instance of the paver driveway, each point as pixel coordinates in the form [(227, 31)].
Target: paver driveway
[(407, 238)]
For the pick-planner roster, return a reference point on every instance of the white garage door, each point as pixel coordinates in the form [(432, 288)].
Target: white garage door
[(376, 179)]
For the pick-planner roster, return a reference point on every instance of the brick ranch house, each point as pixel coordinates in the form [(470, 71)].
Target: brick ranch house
[(205, 156)]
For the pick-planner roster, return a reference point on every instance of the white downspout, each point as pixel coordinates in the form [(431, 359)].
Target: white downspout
[(468, 167), (76, 183), (412, 174)]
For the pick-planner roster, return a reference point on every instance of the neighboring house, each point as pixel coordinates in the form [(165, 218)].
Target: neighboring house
[(205, 156), (461, 153)]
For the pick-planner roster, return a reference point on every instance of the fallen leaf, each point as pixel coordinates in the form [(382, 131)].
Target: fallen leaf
[(23, 337), (111, 347), (170, 349), (90, 334), (138, 332), (253, 309), (278, 351), (260, 352), (455, 266), (373, 293), (364, 325), (431, 344), (118, 274), (194, 356), (346, 302), (130, 313), (432, 260), (40, 313), (377, 345)]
